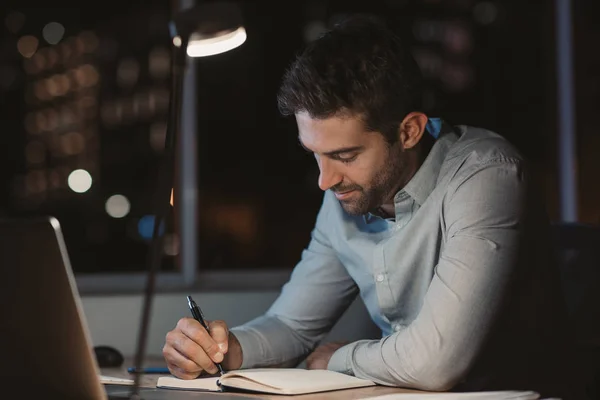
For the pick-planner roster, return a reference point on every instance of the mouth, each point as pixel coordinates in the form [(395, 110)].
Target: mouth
[(344, 195)]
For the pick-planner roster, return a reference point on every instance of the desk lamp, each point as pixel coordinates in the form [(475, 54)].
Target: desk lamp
[(204, 30)]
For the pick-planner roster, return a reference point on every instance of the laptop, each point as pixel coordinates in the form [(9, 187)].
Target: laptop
[(47, 350)]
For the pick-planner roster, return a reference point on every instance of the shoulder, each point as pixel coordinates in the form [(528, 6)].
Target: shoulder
[(479, 145), (477, 149), (480, 160)]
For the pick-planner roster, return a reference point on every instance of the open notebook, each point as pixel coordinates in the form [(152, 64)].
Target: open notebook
[(269, 380)]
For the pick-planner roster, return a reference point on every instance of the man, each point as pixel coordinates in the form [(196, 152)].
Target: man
[(436, 227)]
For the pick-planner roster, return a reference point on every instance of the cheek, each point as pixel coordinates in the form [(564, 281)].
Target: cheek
[(363, 172)]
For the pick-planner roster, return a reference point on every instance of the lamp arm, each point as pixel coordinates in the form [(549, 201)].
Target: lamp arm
[(161, 205)]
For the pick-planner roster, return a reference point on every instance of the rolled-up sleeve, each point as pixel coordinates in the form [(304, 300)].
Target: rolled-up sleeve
[(483, 214), (318, 292)]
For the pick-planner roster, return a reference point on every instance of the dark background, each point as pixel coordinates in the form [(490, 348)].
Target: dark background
[(487, 63)]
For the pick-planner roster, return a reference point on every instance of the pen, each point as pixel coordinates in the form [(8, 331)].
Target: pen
[(198, 316), (149, 370)]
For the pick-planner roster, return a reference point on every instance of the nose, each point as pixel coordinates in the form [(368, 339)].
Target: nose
[(328, 176)]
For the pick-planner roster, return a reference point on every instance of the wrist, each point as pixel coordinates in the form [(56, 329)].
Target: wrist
[(234, 357)]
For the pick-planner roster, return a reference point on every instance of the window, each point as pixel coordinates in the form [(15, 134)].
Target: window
[(89, 110), (86, 114), (92, 109)]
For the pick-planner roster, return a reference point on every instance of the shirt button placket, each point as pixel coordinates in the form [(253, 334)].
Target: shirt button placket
[(380, 278)]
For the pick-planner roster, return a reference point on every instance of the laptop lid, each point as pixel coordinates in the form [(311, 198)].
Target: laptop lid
[(47, 347)]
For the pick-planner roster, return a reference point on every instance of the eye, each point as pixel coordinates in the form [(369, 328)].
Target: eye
[(347, 159)]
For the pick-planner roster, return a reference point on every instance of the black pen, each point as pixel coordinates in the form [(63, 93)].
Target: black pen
[(198, 316)]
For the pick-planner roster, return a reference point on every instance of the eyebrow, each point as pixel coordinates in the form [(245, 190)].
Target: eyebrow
[(334, 153)]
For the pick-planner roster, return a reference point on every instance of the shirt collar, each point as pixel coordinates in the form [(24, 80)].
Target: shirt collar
[(425, 179)]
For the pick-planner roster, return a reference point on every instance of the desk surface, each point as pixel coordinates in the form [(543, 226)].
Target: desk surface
[(149, 380)]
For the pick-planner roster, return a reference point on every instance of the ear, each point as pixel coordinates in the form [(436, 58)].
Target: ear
[(412, 129)]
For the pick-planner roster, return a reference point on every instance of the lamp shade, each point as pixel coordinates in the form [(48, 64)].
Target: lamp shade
[(202, 46), (209, 28)]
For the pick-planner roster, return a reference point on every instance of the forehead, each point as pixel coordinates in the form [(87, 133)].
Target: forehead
[(322, 135)]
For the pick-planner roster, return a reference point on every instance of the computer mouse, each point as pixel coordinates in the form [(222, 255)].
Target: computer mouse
[(108, 357)]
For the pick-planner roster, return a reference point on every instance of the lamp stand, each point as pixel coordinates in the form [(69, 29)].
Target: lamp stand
[(161, 206)]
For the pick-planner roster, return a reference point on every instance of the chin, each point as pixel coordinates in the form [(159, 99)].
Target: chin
[(353, 209)]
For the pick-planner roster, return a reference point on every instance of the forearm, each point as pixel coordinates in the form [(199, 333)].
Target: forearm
[(268, 342), (421, 357), (413, 358), (410, 359)]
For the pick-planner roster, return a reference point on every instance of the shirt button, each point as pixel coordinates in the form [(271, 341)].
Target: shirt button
[(397, 327), (380, 278)]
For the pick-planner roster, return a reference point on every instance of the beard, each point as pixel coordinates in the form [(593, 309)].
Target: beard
[(385, 184)]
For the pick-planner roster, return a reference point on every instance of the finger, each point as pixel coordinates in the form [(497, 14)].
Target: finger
[(189, 326), (181, 373), (196, 332), (179, 363), (191, 350), (181, 358), (220, 334)]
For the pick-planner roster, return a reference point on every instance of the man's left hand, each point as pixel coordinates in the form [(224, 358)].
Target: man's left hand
[(319, 358)]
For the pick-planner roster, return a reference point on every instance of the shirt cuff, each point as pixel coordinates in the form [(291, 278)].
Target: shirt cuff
[(250, 348), (340, 360)]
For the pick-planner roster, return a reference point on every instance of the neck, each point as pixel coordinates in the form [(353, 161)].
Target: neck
[(415, 159)]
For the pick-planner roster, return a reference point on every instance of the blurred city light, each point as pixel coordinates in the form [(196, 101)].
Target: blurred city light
[(80, 181), (117, 206)]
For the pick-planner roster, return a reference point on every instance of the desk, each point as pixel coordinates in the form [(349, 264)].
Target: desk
[(348, 394)]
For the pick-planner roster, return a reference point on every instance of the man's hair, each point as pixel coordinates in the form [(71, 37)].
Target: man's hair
[(360, 68)]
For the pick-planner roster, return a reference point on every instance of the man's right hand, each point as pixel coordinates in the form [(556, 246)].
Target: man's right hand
[(189, 349)]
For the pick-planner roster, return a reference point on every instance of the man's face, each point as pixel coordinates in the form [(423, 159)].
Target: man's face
[(360, 167)]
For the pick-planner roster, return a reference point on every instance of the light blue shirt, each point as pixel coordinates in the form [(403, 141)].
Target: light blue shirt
[(458, 281)]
